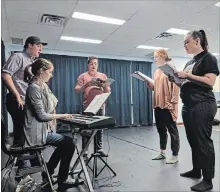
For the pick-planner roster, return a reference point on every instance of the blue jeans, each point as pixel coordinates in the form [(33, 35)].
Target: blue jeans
[(63, 153)]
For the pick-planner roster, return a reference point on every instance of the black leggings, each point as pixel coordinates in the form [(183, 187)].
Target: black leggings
[(198, 124), (164, 122)]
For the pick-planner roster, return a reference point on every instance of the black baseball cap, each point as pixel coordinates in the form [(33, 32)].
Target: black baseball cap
[(34, 40)]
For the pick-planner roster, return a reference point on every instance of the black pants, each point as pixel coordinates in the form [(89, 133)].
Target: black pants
[(17, 115), (198, 124), (98, 139), (63, 153), (164, 122)]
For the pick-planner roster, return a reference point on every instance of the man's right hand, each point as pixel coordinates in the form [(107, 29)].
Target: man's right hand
[(20, 102)]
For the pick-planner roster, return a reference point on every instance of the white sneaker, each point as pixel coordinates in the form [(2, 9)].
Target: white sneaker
[(172, 160), (160, 156)]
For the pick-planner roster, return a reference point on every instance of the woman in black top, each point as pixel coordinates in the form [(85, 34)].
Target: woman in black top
[(199, 107)]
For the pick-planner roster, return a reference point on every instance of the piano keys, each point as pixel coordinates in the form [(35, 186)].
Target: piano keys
[(89, 122)]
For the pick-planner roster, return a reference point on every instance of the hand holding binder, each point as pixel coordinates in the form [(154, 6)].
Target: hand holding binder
[(142, 77), (171, 72)]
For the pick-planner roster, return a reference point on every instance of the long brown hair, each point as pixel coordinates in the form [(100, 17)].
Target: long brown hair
[(34, 69)]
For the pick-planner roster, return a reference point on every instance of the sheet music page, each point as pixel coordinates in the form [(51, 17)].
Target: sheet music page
[(142, 77), (97, 103), (170, 70)]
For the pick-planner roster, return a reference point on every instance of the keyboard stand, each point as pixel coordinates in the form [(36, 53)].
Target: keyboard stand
[(95, 156), (82, 162)]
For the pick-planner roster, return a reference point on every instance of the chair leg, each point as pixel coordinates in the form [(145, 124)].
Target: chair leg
[(47, 173)]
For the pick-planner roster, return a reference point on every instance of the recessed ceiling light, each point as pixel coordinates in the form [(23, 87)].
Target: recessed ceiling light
[(177, 31), (83, 40), (216, 54), (97, 18), (217, 4), (150, 47)]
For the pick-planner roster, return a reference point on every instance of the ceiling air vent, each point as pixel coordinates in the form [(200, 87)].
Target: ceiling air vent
[(17, 41), (53, 20), (165, 36)]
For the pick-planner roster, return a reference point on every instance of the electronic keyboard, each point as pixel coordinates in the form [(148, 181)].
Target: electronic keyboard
[(89, 122)]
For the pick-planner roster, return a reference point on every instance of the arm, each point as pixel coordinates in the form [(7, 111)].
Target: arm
[(80, 85), (208, 78), (7, 79), (175, 93), (12, 66), (208, 72), (149, 85), (34, 95)]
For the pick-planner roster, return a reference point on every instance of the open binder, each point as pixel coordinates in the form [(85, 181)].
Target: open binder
[(171, 71), (96, 104), (142, 77)]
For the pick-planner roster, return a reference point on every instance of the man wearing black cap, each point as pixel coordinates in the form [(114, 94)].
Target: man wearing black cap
[(13, 78)]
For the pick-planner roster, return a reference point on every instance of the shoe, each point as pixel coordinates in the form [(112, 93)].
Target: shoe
[(204, 185), (102, 153), (172, 160), (192, 174), (160, 156), (69, 183)]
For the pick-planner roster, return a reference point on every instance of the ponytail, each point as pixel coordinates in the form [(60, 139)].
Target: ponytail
[(204, 42), (27, 73), (34, 69), (203, 39)]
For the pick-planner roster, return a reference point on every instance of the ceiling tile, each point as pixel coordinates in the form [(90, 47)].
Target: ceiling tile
[(90, 27), (35, 28), (22, 16), (62, 8)]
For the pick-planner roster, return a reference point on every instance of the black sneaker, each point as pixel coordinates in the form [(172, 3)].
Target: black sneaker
[(191, 174), (204, 185)]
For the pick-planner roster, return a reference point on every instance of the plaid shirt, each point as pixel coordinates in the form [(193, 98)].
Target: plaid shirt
[(15, 66)]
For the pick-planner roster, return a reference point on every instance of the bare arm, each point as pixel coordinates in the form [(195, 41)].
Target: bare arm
[(80, 87), (208, 78)]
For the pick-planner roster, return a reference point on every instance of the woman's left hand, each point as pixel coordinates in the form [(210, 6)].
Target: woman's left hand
[(182, 74)]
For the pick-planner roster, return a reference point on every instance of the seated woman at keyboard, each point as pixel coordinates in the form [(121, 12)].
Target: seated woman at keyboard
[(40, 120)]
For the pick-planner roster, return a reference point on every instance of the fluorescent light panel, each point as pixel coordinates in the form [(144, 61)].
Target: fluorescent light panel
[(82, 40), (177, 31), (150, 47), (97, 18), (217, 4)]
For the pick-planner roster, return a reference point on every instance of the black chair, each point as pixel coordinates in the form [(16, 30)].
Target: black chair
[(23, 153)]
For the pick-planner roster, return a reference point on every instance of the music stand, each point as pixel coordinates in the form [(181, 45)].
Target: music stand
[(92, 110)]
